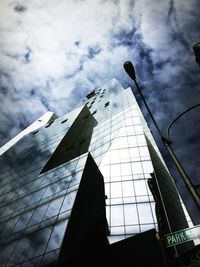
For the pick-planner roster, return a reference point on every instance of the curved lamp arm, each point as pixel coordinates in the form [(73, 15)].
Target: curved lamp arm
[(180, 115)]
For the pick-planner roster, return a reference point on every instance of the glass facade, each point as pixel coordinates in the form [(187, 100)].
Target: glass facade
[(47, 117), (42, 172), (36, 205), (121, 144), (119, 147)]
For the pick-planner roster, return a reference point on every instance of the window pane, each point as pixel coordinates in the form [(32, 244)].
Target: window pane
[(53, 208), (57, 236), (105, 170), (39, 242), (137, 167), (115, 238), (140, 187), (130, 130), (147, 227), (145, 215), (144, 151), (123, 143), (50, 257), (141, 139), (136, 120), (132, 229), (38, 215), (132, 141), (68, 202), (117, 230), (128, 189), (114, 156), (115, 170), (115, 144), (128, 121), (147, 166), (116, 190), (134, 153), (23, 220), (126, 169), (20, 251), (117, 217), (6, 251), (122, 131), (124, 154), (138, 129), (106, 159), (130, 214), (75, 178), (63, 184)]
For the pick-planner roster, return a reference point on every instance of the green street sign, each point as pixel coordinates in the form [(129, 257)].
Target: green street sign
[(182, 236)]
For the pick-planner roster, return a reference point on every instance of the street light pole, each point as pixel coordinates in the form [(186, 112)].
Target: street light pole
[(128, 66)]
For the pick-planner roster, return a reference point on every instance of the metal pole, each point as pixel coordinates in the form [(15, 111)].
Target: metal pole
[(191, 188), (129, 68), (167, 144)]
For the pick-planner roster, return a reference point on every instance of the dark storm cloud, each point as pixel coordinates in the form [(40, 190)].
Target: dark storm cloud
[(124, 37), (77, 43), (93, 51), (141, 52), (20, 8), (14, 56), (75, 72), (171, 11), (27, 55), (176, 32), (45, 103), (151, 69)]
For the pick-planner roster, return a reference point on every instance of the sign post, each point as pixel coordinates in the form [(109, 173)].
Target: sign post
[(182, 236)]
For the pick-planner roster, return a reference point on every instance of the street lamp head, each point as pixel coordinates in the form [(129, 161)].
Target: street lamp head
[(196, 48), (128, 66)]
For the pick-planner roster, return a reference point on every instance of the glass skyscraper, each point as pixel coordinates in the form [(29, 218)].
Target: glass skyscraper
[(52, 181), (127, 155)]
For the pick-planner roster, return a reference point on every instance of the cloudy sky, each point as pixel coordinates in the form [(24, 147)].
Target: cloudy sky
[(52, 53)]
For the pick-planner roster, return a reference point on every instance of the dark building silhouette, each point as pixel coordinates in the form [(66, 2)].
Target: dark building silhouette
[(89, 188)]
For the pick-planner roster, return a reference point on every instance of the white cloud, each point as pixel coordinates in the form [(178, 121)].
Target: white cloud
[(45, 48)]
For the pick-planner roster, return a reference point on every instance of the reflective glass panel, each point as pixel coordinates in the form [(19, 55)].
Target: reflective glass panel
[(128, 189), (57, 236), (140, 187), (126, 169), (145, 215), (115, 169), (137, 167), (116, 190), (117, 215), (130, 213)]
